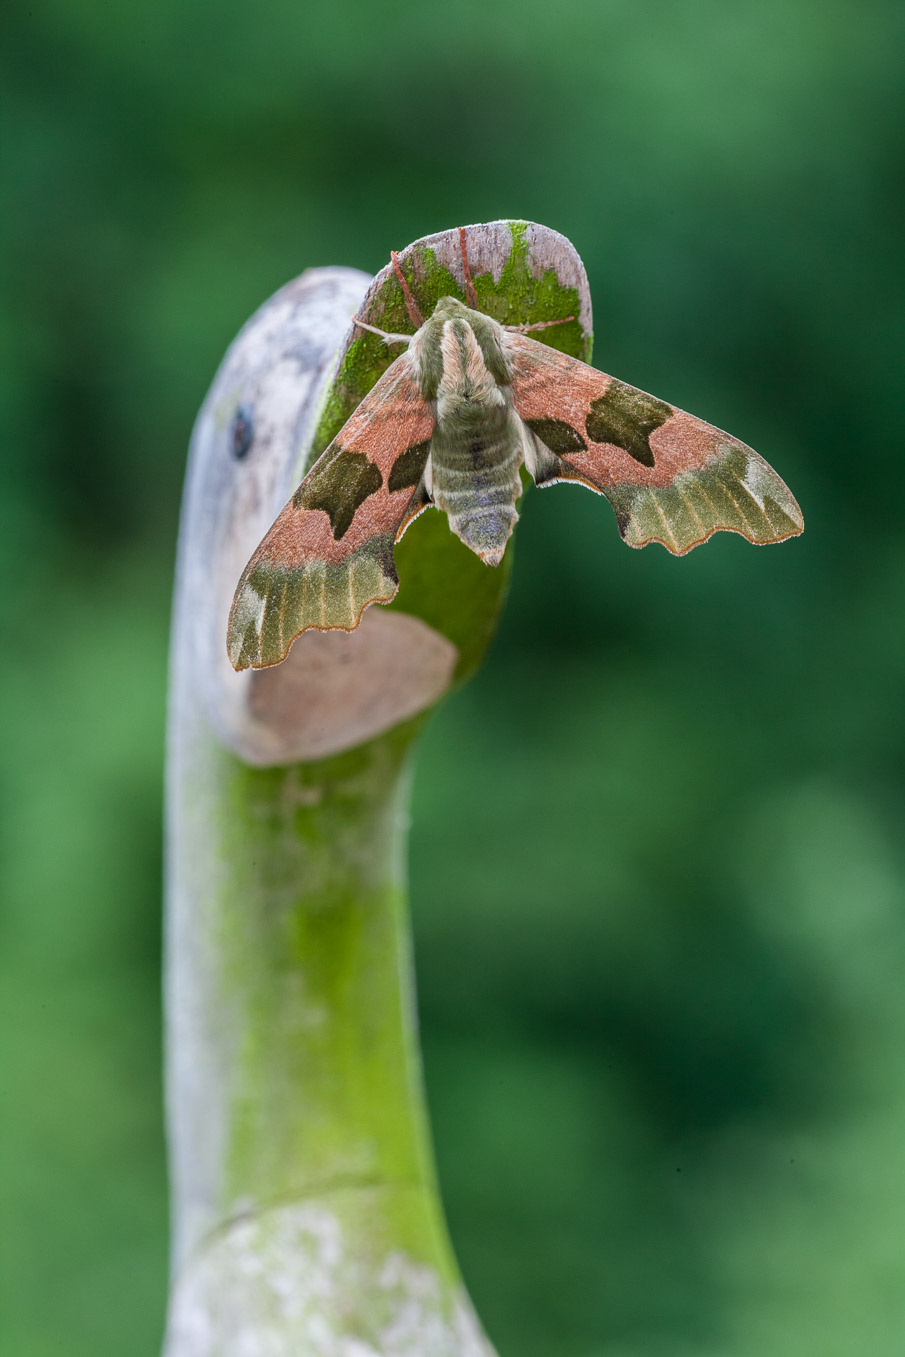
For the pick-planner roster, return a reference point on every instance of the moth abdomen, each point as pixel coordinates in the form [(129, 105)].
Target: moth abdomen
[(482, 517), (475, 479), (487, 535)]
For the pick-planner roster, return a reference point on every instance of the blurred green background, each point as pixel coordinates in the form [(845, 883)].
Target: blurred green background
[(657, 864)]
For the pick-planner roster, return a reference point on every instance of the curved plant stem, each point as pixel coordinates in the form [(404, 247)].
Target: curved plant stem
[(306, 1218)]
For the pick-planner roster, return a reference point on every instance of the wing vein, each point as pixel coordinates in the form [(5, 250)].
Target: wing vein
[(691, 509), (745, 518), (304, 601), (283, 612), (663, 520), (716, 512)]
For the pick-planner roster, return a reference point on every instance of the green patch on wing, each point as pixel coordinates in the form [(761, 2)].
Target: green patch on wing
[(736, 491), (626, 418), (557, 435), (339, 487), (273, 605), (408, 467)]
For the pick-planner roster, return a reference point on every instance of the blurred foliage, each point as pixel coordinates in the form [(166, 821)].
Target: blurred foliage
[(658, 874)]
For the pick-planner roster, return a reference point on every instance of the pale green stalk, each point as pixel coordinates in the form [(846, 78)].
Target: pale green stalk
[(306, 1218)]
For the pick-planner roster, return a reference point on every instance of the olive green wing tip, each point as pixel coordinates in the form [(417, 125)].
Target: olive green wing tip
[(273, 605), (735, 492)]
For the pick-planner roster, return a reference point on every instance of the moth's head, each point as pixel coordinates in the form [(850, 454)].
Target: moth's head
[(454, 323), (449, 308)]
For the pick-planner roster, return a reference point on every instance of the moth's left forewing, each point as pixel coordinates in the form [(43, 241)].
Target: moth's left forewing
[(329, 554), (671, 478)]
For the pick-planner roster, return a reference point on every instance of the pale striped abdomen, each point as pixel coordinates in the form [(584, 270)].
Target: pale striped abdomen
[(475, 477)]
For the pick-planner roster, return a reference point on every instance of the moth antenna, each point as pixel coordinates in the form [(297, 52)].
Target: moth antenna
[(470, 293), (384, 334), (538, 325), (411, 305)]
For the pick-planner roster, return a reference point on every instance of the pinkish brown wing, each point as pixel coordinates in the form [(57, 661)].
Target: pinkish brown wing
[(670, 478), (330, 552)]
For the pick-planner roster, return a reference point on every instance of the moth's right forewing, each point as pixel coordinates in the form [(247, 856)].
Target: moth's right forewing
[(330, 552), (671, 478)]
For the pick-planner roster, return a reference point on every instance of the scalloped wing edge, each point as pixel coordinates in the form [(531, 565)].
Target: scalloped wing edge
[(274, 605), (735, 491)]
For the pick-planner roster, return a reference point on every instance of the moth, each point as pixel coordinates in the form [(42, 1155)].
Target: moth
[(450, 424)]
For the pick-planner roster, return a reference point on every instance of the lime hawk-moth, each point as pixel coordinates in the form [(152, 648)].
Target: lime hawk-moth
[(450, 424)]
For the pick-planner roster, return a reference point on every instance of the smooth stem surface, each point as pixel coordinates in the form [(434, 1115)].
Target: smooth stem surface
[(315, 959), (309, 1175)]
